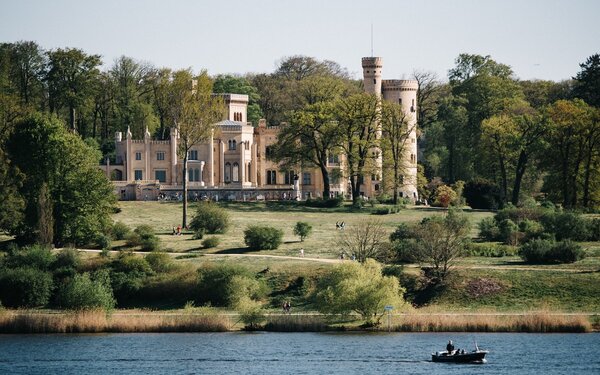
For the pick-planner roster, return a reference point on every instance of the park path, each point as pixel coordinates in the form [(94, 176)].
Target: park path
[(334, 261)]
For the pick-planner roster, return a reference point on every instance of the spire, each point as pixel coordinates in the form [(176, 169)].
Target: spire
[(128, 133), (146, 133)]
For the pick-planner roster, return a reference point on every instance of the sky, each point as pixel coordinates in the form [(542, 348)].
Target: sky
[(545, 39)]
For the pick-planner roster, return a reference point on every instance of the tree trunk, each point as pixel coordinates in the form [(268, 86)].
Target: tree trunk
[(185, 195), (326, 187), (396, 181), (72, 117), (45, 218), (520, 172)]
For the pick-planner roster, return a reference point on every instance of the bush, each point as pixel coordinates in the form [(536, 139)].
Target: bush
[(489, 230), (83, 293), (531, 229), (227, 285), (128, 273), (199, 234), (144, 237), (509, 232), (160, 261), (25, 287), (403, 231), (593, 229), (547, 251), (103, 241), (566, 225), (482, 194), (444, 196), (210, 242), (210, 217), (258, 237), (386, 210), (302, 229), (325, 203), (120, 231), (490, 250), (35, 256), (405, 251)]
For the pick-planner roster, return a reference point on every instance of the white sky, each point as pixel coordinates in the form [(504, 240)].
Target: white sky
[(539, 39)]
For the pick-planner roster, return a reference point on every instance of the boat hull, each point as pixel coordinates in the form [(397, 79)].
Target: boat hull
[(472, 357)]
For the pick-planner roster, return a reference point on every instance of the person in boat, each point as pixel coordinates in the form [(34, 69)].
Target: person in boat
[(450, 347)]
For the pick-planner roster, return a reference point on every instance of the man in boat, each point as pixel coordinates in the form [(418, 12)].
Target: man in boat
[(449, 347)]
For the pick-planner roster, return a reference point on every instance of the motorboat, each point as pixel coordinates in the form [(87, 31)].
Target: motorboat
[(460, 356)]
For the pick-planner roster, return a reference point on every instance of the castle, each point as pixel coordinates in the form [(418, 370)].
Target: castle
[(235, 165)]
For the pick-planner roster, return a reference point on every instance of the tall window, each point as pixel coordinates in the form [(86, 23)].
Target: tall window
[(137, 174), (138, 156), (333, 159), (306, 178), (227, 172), (289, 177), (194, 175), (232, 144), (412, 107), (193, 155), (160, 175), (271, 177), (269, 152), (160, 155), (235, 172)]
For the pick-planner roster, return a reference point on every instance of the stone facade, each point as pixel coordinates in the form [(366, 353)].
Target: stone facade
[(234, 164)]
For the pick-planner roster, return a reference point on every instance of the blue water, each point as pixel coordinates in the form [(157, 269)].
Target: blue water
[(293, 353)]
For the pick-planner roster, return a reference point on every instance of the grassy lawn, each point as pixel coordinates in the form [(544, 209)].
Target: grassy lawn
[(323, 242)]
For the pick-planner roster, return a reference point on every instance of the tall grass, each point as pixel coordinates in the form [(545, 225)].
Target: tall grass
[(530, 322), (98, 321)]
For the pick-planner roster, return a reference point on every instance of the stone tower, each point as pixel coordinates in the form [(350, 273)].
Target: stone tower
[(403, 92)]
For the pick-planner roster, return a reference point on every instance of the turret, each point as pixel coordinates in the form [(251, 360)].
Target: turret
[(372, 74)]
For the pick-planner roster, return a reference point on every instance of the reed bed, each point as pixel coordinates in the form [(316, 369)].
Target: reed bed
[(99, 321), (296, 323), (529, 322)]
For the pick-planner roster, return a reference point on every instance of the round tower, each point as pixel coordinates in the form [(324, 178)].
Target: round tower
[(372, 74)]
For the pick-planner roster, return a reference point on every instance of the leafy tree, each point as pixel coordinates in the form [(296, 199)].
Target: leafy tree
[(358, 288), (25, 286), (260, 237), (358, 123), (397, 131), (83, 292), (240, 85), (442, 239), (228, 285), (366, 241), (71, 76), (193, 110), (25, 63), (210, 218), (302, 229), (309, 139), (587, 85), (428, 95)]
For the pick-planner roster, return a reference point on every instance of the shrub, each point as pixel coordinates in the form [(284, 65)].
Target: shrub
[(405, 251), (325, 203), (159, 261), (210, 242), (210, 217), (593, 229), (103, 241), (258, 237), (444, 196), (403, 231), (227, 285), (25, 287), (83, 293), (490, 250), (199, 234), (566, 225), (482, 194), (509, 232), (144, 237), (489, 230), (35, 256), (120, 231), (302, 229), (531, 229), (547, 251), (128, 273)]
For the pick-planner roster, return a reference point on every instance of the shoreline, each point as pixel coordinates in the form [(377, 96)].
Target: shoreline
[(31, 321)]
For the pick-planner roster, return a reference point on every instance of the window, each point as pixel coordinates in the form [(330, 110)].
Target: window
[(193, 155), (232, 144), (289, 177), (413, 159), (235, 172), (194, 175), (271, 177), (306, 178), (138, 174), (227, 172), (412, 107), (375, 81), (160, 175), (333, 159), (160, 156), (138, 156), (269, 152), (399, 100)]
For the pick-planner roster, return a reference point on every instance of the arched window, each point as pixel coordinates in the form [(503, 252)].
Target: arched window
[(233, 145), (227, 172), (235, 172)]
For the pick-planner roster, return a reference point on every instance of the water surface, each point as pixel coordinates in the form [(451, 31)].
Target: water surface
[(293, 353)]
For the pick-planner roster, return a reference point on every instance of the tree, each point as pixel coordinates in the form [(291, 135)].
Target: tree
[(71, 78), (240, 85), (83, 292), (302, 229), (366, 241), (428, 95), (308, 140), (396, 130), (79, 196), (513, 137), (358, 123), (587, 85), (27, 62), (358, 288), (193, 111), (440, 240)]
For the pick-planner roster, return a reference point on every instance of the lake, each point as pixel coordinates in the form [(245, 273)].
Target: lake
[(294, 353)]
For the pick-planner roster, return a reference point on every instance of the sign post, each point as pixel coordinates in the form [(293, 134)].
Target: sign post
[(389, 309)]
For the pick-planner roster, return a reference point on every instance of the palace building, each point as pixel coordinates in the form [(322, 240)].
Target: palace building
[(234, 164)]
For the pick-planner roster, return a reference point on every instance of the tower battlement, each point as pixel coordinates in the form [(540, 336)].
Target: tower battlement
[(400, 84), (372, 62)]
